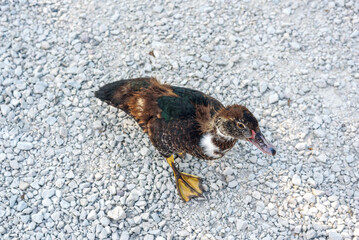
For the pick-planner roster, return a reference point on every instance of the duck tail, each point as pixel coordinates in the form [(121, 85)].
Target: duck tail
[(118, 93)]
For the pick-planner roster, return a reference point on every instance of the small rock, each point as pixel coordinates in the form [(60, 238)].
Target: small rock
[(38, 217), (318, 177), (18, 71), (241, 225), (92, 197), (273, 98), (45, 45), (296, 180), (103, 234), (145, 151), (21, 206), (333, 235), (117, 213), (158, 9), (5, 109), (48, 193), (301, 146), (349, 159), (92, 215), (40, 88), (23, 185), (336, 167), (97, 125), (310, 234), (263, 87), (24, 145), (105, 221), (295, 46), (125, 235), (354, 34), (14, 164), (256, 195), (206, 58), (309, 197), (322, 158), (233, 184)]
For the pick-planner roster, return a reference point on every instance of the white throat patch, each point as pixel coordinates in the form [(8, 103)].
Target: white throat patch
[(208, 146)]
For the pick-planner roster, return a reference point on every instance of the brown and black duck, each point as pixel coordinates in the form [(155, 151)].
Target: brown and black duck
[(181, 120)]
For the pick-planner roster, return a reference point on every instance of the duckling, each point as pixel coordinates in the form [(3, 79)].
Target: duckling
[(182, 121)]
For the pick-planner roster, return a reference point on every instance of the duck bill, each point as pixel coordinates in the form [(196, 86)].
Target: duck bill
[(260, 142)]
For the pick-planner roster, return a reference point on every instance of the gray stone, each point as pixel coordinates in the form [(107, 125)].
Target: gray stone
[(23, 185), (310, 234), (48, 193), (117, 213), (5, 109), (24, 145), (92, 215), (273, 98), (241, 225), (125, 235), (295, 46), (45, 45), (14, 164), (18, 71), (97, 125), (105, 221), (333, 235), (309, 197), (37, 218), (301, 146), (296, 180), (233, 184)]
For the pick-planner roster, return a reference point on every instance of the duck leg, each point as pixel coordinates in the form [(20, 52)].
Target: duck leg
[(188, 186)]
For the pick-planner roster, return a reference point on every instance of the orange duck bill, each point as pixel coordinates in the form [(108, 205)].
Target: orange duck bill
[(260, 142)]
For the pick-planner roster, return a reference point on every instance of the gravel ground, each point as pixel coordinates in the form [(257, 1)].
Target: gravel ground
[(74, 168)]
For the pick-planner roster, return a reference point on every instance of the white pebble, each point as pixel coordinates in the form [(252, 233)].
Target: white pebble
[(24, 145), (117, 213), (37, 218), (296, 180)]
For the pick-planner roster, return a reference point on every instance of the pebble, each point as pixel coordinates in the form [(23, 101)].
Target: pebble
[(14, 164), (333, 235), (117, 213), (311, 234), (241, 225), (45, 45), (37, 218), (92, 215), (48, 193), (295, 46), (296, 180), (97, 125), (300, 146), (18, 71), (273, 98), (233, 184), (5, 109), (23, 185), (309, 197), (25, 145), (125, 235)]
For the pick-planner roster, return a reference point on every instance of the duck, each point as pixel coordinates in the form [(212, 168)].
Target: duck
[(181, 121)]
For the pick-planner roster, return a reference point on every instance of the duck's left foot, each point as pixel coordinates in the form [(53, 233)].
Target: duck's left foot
[(188, 186)]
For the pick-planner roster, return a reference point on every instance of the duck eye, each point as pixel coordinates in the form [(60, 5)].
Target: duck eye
[(240, 125)]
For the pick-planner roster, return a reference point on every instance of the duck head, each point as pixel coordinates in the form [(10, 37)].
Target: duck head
[(237, 122)]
